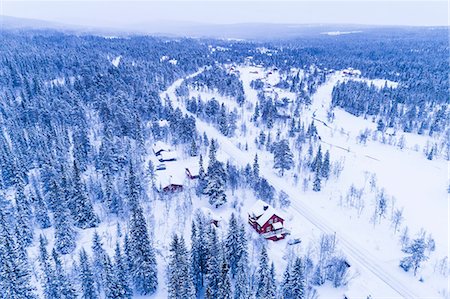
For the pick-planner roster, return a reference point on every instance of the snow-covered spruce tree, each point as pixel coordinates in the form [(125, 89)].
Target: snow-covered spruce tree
[(233, 248), (216, 182), (317, 181), (180, 285), (213, 270), (272, 287), (241, 283), (122, 275), (142, 256), (81, 206), (49, 284), (201, 185), (98, 262), (65, 233), (224, 287), (297, 280), (282, 156), (286, 288), (65, 286), (111, 285), (255, 169), (23, 216), (86, 277), (15, 280), (223, 120), (195, 259), (263, 276), (193, 149), (316, 164), (325, 168), (41, 213)]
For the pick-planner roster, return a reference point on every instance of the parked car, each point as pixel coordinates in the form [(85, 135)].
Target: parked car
[(161, 167), (294, 241)]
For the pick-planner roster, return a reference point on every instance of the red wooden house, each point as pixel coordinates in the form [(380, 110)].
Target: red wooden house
[(267, 221)]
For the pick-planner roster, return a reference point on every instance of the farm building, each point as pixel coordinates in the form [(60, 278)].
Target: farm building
[(169, 181), (267, 221), (160, 147), (193, 171), (166, 156)]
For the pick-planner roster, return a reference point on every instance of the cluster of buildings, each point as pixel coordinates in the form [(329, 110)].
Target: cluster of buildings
[(172, 174)]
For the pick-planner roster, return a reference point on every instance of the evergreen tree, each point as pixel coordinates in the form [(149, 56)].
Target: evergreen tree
[(111, 284), (255, 169), (193, 150), (41, 213), (151, 173), (213, 257), (15, 280), (196, 259), (122, 276), (212, 152), (241, 284), (50, 286), (81, 206), (282, 156), (325, 169), (286, 287), (98, 262), (297, 281), (223, 120), (64, 232), (216, 182), (317, 162), (224, 287), (263, 276), (317, 181), (180, 283), (201, 177), (142, 256), (292, 128), (272, 287), (23, 217), (86, 278), (65, 288), (233, 245)]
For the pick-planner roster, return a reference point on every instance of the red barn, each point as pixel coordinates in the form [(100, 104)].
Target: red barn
[(267, 221)]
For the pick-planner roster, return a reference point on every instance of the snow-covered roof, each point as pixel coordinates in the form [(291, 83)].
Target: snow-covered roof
[(194, 169), (262, 210), (168, 155), (170, 176), (159, 146), (163, 123)]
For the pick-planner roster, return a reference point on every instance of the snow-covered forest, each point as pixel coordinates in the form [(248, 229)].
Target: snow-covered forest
[(154, 167)]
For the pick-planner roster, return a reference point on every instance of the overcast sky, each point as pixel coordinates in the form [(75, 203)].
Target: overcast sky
[(125, 13)]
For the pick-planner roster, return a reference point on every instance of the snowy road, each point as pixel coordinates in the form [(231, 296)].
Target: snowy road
[(354, 251)]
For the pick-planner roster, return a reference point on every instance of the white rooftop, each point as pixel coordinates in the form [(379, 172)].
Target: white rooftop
[(160, 146), (168, 155), (262, 210)]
